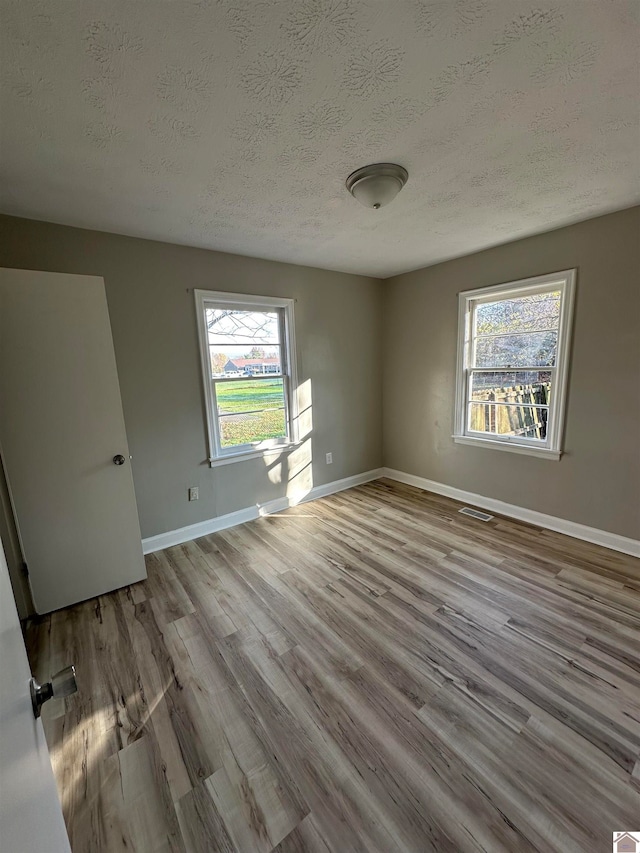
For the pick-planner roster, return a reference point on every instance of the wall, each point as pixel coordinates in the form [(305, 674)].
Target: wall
[(339, 324), (149, 290), (597, 481)]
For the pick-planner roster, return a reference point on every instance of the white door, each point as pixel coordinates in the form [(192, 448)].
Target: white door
[(30, 813), (61, 426)]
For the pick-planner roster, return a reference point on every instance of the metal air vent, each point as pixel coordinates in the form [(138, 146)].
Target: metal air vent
[(475, 513)]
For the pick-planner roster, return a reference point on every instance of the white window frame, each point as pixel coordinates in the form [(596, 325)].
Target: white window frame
[(219, 455), (551, 447)]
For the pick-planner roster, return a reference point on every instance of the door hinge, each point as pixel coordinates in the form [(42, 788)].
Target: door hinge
[(24, 569)]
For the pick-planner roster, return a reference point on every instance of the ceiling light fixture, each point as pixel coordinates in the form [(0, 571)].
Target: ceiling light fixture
[(377, 184)]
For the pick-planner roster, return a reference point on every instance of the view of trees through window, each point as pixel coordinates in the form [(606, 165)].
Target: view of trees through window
[(245, 352), (513, 357)]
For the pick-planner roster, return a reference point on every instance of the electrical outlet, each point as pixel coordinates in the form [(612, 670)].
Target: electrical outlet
[(194, 493), (329, 458)]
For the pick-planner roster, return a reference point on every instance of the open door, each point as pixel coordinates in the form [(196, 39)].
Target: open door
[(63, 440), (30, 812)]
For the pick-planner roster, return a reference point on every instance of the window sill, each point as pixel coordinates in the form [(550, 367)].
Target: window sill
[(512, 447), (258, 453)]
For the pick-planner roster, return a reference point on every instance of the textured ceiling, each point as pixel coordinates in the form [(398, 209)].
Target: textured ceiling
[(232, 125)]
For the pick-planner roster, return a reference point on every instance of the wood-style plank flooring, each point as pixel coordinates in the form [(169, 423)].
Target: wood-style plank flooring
[(368, 672)]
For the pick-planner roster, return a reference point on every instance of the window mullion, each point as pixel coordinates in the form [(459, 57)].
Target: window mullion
[(216, 422), (286, 372), (472, 337), (528, 369), (254, 377), (468, 360)]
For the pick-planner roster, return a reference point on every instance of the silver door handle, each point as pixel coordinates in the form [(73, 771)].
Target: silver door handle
[(63, 683)]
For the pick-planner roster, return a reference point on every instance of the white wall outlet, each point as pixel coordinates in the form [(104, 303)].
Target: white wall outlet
[(194, 493), (329, 458)]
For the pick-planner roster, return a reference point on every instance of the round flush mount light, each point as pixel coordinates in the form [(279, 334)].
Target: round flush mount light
[(377, 184)]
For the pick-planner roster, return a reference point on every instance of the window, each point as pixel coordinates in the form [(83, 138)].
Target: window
[(248, 365), (513, 353)]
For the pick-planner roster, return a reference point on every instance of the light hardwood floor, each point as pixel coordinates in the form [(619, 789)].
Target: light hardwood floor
[(368, 672)]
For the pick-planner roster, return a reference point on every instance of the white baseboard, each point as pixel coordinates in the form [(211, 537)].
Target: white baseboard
[(231, 519), (540, 519)]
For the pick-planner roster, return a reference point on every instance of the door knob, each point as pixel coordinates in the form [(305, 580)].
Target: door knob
[(62, 684), (119, 459)]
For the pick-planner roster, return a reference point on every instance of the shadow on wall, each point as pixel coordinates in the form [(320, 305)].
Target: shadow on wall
[(295, 467)]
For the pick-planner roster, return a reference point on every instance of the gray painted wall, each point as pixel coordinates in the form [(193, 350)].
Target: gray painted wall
[(339, 330), (149, 290), (597, 481)]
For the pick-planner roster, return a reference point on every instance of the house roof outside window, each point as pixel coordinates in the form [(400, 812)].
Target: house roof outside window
[(243, 363)]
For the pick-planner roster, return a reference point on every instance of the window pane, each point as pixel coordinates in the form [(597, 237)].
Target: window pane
[(522, 314), (245, 429), (226, 327), (244, 360), (237, 397), (525, 386), (533, 350), (251, 411), (500, 419)]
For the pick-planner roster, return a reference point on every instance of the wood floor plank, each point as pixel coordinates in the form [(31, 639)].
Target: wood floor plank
[(305, 838), (369, 672), (201, 824), (333, 789), (146, 810), (164, 587)]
